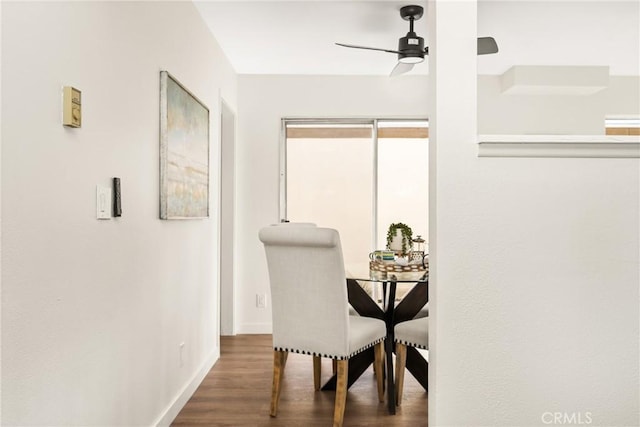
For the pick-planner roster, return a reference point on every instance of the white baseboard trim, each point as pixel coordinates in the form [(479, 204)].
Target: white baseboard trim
[(254, 328), (187, 391)]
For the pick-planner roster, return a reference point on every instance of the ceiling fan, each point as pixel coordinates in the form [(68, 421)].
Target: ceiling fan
[(411, 49)]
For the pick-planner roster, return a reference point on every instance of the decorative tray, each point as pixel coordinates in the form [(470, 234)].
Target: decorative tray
[(382, 270)]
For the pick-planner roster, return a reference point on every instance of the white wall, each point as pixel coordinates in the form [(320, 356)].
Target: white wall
[(545, 297), (542, 312), (93, 312), (0, 214), (554, 114), (263, 101), (537, 263)]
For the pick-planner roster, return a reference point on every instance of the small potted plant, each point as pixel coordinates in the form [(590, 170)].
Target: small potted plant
[(399, 238)]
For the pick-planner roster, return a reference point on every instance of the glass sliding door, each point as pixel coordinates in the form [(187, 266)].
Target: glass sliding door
[(329, 181), (357, 176), (403, 177), (403, 181)]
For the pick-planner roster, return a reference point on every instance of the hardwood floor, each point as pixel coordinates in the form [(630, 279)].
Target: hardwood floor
[(237, 392)]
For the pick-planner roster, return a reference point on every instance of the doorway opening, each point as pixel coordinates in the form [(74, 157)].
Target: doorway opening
[(227, 225)]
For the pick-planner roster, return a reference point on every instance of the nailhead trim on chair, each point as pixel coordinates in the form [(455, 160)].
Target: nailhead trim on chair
[(411, 344), (291, 350)]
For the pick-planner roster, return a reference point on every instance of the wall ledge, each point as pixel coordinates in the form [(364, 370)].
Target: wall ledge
[(561, 146)]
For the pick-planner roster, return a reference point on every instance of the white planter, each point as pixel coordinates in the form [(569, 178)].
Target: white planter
[(396, 242)]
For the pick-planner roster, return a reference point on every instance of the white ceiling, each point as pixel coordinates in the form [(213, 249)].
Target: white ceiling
[(297, 37)]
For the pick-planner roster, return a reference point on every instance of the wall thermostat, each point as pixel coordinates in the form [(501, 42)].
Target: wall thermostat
[(71, 107)]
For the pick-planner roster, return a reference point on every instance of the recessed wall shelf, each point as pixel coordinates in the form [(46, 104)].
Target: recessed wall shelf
[(587, 146)]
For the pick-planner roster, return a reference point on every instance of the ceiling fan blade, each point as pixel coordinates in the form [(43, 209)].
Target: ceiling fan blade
[(369, 48), (401, 68), (487, 45)]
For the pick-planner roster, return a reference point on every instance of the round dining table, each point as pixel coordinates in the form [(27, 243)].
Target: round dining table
[(392, 312)]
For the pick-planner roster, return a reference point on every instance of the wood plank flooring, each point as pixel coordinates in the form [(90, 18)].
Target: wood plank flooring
[(237, 392)]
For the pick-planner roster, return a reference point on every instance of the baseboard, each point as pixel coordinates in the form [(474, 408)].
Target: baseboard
[(187, 391), (254, 328)]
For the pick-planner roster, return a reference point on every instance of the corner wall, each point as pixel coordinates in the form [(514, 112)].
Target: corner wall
[(94, 312), (534, 318)]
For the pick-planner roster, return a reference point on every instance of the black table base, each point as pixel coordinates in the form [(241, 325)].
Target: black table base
[(357, 365), (407, 309)]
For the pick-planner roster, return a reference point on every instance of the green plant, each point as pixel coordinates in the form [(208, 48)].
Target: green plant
[(407, 234)]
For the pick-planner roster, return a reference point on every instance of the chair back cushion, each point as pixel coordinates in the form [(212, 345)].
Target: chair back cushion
[(308, 290)]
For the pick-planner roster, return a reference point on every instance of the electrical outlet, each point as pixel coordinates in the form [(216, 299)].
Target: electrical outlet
[(261, 300)]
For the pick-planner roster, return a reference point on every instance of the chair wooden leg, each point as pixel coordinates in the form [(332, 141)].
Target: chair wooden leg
[(317, 370), (378, 367), (341, 392), (334, 363), (401, 362), (279, 359)]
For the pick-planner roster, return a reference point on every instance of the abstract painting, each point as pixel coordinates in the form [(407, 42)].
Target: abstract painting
[(184, 152)]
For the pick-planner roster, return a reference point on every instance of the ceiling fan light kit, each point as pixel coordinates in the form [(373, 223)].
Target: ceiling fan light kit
[(411, 49), (408, 59)]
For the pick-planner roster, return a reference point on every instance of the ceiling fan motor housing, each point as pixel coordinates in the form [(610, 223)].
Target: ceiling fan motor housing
[(411, 48)]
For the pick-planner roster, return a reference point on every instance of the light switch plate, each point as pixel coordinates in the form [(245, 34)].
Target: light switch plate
[(103, 202)]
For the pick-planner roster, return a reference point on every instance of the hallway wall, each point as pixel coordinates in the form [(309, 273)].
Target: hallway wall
[(94, 312)]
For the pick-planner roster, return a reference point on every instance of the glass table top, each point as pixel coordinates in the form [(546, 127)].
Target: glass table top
[(362, 272)]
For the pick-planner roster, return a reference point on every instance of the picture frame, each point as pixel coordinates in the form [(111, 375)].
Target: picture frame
[(184, 152)]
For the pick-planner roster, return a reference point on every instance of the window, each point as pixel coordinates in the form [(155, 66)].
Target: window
[(622, 126)]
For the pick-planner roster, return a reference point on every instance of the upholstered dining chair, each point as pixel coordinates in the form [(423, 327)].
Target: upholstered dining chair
[(413, 333), (316, 363), (317, 366), (424, 312), (310, 309)]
